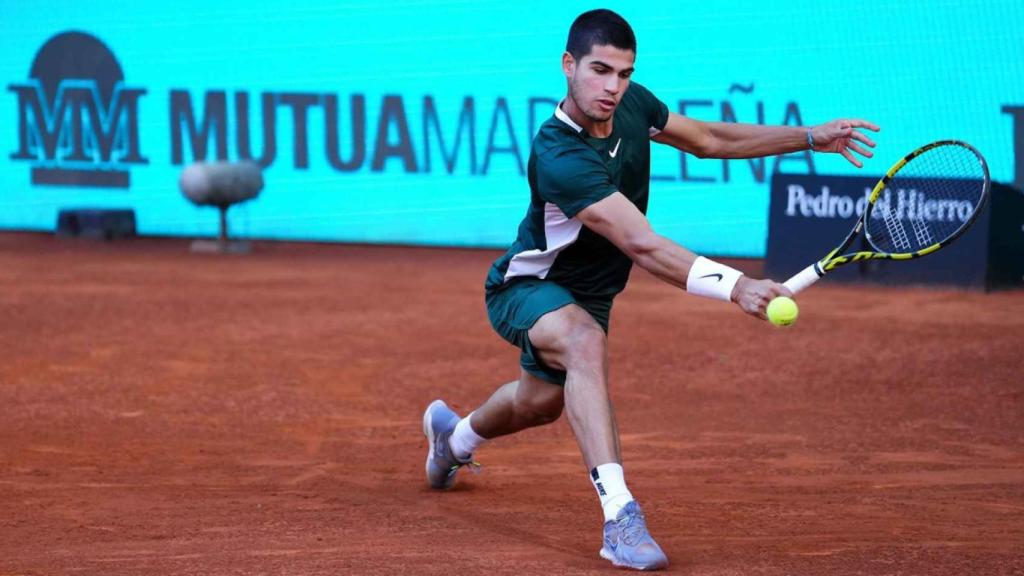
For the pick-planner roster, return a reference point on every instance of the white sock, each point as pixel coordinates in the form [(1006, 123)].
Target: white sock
[(464, 440), (611, 488)]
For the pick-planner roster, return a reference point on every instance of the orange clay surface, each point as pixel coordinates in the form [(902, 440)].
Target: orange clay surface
[(163, 412)]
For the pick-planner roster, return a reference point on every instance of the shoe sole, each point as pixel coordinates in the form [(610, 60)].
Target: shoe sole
[(609, 557), (428, 431)]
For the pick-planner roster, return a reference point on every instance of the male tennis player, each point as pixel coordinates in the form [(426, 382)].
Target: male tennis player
[(551, 293)]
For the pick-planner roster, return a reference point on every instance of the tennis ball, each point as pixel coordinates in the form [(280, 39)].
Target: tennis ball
[(782, 311)]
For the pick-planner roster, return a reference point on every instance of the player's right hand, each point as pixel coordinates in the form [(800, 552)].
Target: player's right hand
[(753, 296)]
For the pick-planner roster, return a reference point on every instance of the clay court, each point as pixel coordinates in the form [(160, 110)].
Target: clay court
[(171, 413)]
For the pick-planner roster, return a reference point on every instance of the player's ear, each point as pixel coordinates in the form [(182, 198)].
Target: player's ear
[(568, 64)]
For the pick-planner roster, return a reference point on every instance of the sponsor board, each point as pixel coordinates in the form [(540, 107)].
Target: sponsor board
[(418, 131), (811, 214)]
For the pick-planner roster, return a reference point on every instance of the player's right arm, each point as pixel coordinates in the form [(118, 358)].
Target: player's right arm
[(619, 220)]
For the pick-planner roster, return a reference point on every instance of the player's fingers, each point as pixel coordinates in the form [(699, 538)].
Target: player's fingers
[(864, 124), (863, 138), (856, 148), (853, 160), (756, 306)]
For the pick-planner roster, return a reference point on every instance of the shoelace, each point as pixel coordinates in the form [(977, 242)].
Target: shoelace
[(632, 528), (473, 465)]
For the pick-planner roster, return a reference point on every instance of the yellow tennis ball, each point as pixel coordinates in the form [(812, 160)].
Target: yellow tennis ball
[(782, 311)]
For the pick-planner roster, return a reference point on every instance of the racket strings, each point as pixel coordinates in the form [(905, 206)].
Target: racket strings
[(921, 232), (928, 200), (897, 234)]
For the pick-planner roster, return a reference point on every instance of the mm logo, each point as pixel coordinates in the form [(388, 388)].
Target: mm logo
[(78, 123)]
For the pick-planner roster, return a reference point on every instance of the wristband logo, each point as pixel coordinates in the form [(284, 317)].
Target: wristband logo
[(78, 122)]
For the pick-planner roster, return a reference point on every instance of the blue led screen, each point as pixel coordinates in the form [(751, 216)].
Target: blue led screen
[(410, 122)]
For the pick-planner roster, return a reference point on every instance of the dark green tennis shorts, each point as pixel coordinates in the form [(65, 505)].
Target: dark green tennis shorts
[(514, 307)]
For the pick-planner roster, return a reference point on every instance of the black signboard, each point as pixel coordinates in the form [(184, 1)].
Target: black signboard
[(811, 214)]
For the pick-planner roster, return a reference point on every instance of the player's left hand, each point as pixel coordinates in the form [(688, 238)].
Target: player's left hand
[(841, 136), (753, 296)]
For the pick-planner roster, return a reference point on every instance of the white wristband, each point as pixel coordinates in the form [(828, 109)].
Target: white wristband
[(711, 279)]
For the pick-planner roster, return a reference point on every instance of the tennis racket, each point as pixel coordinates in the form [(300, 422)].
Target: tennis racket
[(924, 202)]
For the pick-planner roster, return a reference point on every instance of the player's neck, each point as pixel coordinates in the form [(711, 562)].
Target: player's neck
[(593, 128)]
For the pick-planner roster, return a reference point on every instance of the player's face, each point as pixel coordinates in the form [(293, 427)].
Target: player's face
[(598, 80)]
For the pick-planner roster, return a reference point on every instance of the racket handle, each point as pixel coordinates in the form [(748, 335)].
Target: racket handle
[(803, 279)]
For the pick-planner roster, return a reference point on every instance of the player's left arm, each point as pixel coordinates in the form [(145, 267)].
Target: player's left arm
[(735, 140)]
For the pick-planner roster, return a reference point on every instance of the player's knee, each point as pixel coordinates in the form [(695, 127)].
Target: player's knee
[(587, 345)]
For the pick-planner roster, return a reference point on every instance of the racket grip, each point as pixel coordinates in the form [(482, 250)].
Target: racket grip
[(803, 279)]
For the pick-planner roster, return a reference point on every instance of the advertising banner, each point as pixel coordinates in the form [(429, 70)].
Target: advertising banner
[(812, 214), (410, 122)]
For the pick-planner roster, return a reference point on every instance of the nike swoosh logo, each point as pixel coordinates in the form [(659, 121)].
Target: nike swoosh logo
[(612, 153), (718, 279)]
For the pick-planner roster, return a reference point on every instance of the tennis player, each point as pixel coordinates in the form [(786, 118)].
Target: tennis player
[(551, 294)]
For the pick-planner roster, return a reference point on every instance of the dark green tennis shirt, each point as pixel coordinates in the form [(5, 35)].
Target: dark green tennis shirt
[(568, 171)]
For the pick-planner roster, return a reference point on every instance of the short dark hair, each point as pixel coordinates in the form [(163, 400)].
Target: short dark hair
[(601, 27)]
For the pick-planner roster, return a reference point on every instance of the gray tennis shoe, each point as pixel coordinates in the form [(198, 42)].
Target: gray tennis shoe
[(628, 544), (438, 424)]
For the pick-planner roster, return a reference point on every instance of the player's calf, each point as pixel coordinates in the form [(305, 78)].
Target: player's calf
[(538, 409)]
